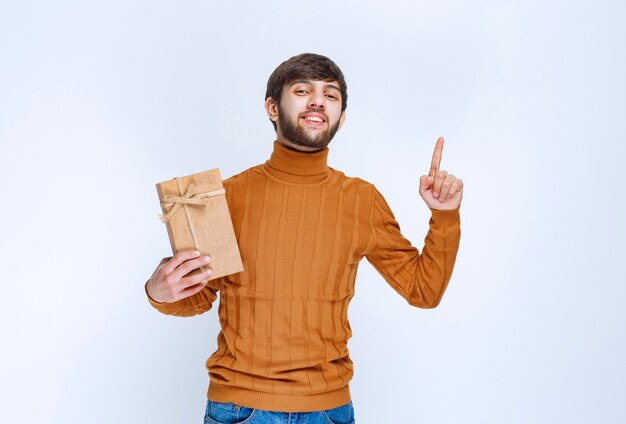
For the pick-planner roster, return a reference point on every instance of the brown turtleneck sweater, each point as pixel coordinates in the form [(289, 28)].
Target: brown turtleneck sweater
[(302, 230)]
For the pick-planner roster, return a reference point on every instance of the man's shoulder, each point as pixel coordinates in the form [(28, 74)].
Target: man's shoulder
[(349, 180), (243, 176)]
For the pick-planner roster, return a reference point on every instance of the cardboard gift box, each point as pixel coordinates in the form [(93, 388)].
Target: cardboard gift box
[(196, 215)]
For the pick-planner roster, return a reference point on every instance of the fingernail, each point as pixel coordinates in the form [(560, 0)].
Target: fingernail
[(207, 259), (435, 194), (209, 272)]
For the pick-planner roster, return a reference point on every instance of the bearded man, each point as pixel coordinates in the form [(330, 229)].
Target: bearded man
[(302, 229)]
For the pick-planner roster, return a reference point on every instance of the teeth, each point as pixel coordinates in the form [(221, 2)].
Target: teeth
[(313, 118)]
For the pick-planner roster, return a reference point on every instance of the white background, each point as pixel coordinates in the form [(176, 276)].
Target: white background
[(101, 100)]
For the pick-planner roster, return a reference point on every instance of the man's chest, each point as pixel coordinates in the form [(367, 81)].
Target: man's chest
[(299, 234)]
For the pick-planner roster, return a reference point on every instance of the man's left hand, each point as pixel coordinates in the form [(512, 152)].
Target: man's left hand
[(440, 190)]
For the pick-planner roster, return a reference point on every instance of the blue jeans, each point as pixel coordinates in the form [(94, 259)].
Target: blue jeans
[(229, 413)]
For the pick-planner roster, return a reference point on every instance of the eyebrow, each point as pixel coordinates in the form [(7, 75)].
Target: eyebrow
[(308, 82)]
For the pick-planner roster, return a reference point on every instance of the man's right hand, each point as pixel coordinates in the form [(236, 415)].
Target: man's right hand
[(169, 282)]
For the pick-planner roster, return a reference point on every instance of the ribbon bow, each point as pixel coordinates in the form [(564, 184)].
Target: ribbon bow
[(190, 198)]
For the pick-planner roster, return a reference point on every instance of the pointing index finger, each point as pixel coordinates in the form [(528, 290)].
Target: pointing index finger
[(436, 161)]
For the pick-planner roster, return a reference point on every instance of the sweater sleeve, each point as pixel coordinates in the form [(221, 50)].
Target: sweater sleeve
[(197, 304), (419, 278)]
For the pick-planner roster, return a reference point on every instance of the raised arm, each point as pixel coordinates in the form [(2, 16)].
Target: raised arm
[(420, 278)]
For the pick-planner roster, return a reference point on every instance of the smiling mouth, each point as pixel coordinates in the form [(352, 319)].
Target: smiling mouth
[(314, 120)]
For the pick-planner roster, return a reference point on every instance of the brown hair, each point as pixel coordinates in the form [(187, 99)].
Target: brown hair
[(305, 66)]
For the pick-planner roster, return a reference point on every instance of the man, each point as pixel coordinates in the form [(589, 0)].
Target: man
[(302, 229)]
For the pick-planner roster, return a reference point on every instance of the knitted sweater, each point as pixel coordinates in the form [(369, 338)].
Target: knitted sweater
[(302, 229)]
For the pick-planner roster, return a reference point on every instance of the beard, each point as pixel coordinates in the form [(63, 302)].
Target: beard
[(300, 136)]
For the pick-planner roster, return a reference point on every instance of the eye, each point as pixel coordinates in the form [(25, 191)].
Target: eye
[(301, 91), (332, 97)]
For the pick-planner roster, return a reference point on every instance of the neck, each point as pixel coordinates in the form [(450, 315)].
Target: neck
[(296, 166), (282, 140)]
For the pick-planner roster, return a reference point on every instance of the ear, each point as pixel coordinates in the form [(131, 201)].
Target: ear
[(342, 119), (272, 109)]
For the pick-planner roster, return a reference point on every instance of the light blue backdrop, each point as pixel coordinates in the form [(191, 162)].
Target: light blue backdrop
[(101, 100)]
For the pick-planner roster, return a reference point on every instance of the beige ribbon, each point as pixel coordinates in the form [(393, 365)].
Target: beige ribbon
[(190, 198)]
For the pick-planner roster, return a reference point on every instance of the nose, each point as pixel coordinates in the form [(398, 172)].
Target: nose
[(317, 100)]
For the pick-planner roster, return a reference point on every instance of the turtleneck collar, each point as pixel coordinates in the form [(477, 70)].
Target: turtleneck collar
[(297, 167)]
